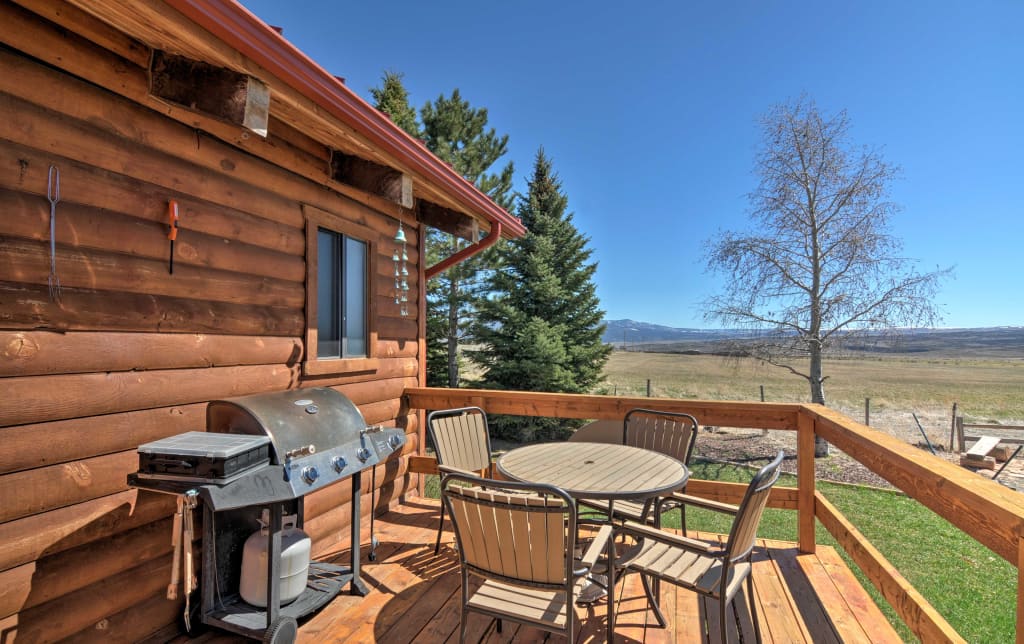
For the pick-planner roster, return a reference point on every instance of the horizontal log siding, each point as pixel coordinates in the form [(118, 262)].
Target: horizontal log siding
[(130, 353)]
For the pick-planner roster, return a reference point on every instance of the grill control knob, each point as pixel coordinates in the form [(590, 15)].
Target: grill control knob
[(363, 454), (310, 474), (394, 441), (339, 463)]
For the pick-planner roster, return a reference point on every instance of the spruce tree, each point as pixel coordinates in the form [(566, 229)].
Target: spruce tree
[(457, 133), (392, 99), (540, 328)]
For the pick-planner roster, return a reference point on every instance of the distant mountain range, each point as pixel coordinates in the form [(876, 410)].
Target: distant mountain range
[(999, 342)]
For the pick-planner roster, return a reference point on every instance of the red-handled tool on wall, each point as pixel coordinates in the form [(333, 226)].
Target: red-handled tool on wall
[(172, 234)]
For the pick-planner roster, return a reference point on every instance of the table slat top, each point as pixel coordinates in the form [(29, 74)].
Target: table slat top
[(596, 470)]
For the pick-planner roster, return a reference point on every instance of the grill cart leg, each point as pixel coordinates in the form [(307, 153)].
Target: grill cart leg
[(358, 585)]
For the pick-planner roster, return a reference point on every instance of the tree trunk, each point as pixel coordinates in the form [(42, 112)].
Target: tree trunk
[(453, 333), (817, 395)]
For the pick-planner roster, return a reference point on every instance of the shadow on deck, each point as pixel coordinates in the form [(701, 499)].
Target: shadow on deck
[(415, 597)]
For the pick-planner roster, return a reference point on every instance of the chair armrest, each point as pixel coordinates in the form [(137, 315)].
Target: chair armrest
[(448, 469), (596, 546), (647, 532), (708, 504)]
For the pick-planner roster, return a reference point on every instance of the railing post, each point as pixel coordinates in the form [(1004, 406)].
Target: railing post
[(1020, 591), (805, 481)]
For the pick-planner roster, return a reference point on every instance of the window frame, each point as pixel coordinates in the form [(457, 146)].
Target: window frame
[(313, 365)]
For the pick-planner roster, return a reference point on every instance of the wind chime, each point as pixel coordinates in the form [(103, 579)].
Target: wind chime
[(401, 258)]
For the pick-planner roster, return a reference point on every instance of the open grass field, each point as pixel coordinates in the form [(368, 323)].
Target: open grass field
[(987, 390)]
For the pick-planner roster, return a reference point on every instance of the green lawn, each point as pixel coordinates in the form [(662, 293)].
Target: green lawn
[(972, 587)]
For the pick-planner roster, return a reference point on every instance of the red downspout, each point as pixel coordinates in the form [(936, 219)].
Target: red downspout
[(464, 254)]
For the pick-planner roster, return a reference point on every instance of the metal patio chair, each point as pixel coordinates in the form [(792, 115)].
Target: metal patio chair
[(519, 539), (713, 570), (462, 444), (669, 433)]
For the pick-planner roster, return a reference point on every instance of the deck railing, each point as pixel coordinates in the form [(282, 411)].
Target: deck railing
[(986, 511)]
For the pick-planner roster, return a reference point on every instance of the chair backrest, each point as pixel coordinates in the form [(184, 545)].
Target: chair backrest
[(599, 431), (461, 438), (516, 532), (669, 433), (744, 526)]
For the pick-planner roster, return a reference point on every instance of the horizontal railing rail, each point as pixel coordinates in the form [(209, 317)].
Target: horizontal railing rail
[(986, 511)]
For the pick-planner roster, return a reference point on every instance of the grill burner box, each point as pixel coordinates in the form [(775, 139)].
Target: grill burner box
[(266, 452), (204, 456)]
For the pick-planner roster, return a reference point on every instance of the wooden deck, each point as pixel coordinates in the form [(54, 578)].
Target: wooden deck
[(415, 597)]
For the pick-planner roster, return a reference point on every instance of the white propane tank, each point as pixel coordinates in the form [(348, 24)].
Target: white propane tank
[(294, 569)]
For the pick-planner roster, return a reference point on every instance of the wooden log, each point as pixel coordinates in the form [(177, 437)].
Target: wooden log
[(31, 353), (137, 126), (288, 135), (84, 608), (29, 262), (920, 616), (136, 622), (34, 126), (47, 534), (29, 306), (978, 462), (82, 438), (92, 228), (38, 399), (24, 170), (378, 390), (78, 23), (372, 177), (38, 582), (47, 488), (285, 146)]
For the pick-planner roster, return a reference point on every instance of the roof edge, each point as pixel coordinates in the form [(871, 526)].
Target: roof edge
[(245, 32)]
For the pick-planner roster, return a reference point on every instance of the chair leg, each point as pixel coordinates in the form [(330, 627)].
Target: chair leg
[(499, 624), (440, 528), (723, 608), (462, 626), (753, 608), (653, 600)]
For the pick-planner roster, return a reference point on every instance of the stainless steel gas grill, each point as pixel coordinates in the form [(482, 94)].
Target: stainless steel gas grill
[(264, 453)]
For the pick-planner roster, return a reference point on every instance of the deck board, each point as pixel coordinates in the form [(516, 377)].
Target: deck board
[(416, 597)]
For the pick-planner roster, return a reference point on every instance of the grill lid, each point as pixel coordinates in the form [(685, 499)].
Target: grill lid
[(299, 422)]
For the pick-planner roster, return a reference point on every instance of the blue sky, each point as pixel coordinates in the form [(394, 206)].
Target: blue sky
[(649, 113)]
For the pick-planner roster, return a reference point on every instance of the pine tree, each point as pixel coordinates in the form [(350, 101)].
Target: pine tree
[(392, 99), (456, 132), (540, 329)]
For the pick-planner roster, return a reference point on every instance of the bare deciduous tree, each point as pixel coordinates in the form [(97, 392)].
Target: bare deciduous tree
[(819, 266)]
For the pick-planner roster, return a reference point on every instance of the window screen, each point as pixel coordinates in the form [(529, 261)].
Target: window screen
[(341, 295)]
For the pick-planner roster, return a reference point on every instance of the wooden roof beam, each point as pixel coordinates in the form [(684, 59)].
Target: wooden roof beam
[(372, 177)]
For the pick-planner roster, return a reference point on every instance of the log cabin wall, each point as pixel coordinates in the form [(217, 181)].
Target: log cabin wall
[(130, 353)]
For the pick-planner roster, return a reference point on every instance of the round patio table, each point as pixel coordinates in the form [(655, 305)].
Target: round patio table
[(596, 470)]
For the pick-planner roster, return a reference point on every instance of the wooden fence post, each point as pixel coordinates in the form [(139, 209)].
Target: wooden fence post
[(648, 387), (805, 482), (952, 428), (764, 432), (867, 412)]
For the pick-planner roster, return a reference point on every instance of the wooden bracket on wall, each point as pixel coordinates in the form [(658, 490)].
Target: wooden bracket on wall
[(447, 220), (372, 177), (223, 93)]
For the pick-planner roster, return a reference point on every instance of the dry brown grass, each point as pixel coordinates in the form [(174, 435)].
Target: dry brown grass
[(986, 390)]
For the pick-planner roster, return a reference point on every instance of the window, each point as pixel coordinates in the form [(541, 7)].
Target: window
[(340, 334), (341, 296)]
